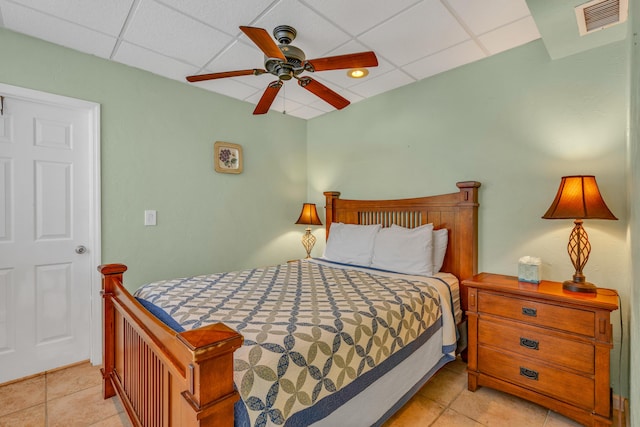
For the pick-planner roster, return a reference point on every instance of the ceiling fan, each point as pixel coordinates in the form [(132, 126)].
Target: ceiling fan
[(287, 62)]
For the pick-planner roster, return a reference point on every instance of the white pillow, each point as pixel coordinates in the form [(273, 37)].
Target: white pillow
[(404, 250), (440, 241), (351, 243)]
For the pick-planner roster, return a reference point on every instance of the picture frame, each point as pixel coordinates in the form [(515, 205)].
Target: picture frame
[(227, 157)]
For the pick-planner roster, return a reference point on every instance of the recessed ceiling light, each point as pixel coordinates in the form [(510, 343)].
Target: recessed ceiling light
[(358, 73)]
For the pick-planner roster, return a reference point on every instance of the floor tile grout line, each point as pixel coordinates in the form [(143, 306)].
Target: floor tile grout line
[(24, 380), (453, 399), (544, 422)]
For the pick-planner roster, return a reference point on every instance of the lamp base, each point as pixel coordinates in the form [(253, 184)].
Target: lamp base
[(308, 240), (583, 287)]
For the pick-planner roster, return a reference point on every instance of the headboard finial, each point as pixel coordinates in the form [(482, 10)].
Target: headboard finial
[(470, 191)]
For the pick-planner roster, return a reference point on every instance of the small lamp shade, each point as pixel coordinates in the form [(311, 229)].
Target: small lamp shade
[(578, 198), (308, 216)]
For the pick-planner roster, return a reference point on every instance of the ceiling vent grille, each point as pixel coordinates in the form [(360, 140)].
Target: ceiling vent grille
[(600, 14)]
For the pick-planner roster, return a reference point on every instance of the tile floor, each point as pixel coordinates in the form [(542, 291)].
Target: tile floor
[(67, 397), (72, 397)]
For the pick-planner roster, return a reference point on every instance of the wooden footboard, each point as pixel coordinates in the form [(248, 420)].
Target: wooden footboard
[(164, 378)]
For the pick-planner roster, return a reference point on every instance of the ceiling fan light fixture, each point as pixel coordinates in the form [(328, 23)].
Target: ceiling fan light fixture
[(358, 73)]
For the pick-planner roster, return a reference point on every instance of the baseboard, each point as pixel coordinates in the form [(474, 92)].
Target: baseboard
[(618, 403), (621, 407)]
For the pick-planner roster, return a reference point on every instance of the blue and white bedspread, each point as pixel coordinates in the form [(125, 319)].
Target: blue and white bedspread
[(315, 333)]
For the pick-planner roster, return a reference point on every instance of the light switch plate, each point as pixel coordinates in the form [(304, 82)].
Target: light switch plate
[(150, 217)]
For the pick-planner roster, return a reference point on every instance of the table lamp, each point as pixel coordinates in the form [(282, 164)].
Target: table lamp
[(578, 198), (308, 216)]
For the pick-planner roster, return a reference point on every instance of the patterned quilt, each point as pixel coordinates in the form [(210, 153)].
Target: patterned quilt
[(311, 329)]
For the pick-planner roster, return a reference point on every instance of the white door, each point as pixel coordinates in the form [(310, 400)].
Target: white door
[(46, 236)]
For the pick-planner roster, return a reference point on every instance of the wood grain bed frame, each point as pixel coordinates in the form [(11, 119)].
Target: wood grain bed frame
[(165, 378)]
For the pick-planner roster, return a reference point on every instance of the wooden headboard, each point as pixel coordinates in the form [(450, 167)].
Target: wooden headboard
[(457, 212)]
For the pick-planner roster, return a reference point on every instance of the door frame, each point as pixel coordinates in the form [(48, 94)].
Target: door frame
[(95, 232)]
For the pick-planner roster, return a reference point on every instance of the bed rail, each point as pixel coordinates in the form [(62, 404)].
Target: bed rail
[(163, 377)]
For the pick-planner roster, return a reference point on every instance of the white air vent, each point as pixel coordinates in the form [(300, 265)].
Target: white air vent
[(599, 14)]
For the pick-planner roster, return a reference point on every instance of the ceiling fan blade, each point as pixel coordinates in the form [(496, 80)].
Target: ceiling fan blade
[(340, 62), (212, 76), (323, 92), (267, 97), (263, 40)]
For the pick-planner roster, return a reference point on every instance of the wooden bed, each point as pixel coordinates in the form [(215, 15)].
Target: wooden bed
[(166, 378)]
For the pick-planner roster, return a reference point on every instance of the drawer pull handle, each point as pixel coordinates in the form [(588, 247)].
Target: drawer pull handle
[(526, 342), (532, 312), (529, 373)]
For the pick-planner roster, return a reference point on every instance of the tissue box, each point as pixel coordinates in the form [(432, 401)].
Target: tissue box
[(529, 269)]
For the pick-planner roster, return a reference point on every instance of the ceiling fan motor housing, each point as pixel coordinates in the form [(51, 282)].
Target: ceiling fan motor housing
[(285, 34)]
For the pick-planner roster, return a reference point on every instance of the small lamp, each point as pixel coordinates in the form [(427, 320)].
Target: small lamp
[(578, 198), (308, 216)]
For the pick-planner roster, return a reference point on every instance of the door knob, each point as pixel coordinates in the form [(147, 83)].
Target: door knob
[(81, 249)]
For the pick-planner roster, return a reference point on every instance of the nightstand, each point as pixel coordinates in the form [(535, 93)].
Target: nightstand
[(542, 344)]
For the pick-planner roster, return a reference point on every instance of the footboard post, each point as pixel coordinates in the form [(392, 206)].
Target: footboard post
[(111, 273), (211, 392)]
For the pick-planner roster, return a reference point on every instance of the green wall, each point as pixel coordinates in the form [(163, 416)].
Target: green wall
[(634, 161), (157, 140), (516, 122)]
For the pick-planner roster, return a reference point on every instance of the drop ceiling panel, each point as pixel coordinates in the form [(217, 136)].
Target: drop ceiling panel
[(28, 21), (448, 59), (99, 15), (339, 77), (305, 112), (138, 57), (486, 15), (225, 15), (161, 29), (519, 32), (417, 32), (259, 82), (323, 107), (230, 87), (358, 16), (383, 83), (291, 90), (238, 56)]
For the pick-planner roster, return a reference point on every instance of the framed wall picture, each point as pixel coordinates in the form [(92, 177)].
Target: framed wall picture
[(227, 157)]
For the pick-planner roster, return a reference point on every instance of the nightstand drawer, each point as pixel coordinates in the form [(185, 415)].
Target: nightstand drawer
[(533, 375), (537, 313), (538, 344)]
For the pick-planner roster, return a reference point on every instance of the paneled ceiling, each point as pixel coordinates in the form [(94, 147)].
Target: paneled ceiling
[(413, 39)]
